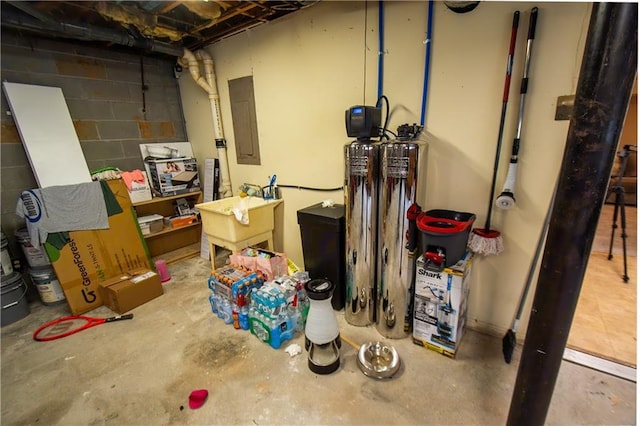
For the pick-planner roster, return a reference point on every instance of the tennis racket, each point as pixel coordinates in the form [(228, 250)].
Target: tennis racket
[(66, 326)]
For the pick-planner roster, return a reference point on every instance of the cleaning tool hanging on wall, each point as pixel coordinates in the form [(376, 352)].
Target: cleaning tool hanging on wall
[(427, 62), (485, 240), (509, 339), (380, 48), (507, 198)]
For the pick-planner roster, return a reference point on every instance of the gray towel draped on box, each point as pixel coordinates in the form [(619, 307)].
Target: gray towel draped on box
[(62, 208)]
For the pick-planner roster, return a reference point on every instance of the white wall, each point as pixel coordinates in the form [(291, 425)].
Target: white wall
[(310, 67)]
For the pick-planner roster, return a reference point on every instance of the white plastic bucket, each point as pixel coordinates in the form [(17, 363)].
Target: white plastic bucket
[(6, 267), (36, 256), (46, 281), (13, 299)]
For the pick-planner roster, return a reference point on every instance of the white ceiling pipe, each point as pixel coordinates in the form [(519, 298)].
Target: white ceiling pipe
[(208, 83), (214, 98)]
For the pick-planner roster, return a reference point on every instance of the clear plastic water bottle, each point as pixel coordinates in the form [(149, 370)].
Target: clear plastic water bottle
[(211, 283), (213, 302), (225, 312)]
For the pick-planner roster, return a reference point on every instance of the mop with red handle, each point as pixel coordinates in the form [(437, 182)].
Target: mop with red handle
[(485, 240), (507, 198)]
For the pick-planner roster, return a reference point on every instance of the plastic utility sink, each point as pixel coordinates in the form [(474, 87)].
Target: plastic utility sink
[(224, 230)]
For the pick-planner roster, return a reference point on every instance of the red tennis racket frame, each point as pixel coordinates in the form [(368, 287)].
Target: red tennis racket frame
[(90, 322)]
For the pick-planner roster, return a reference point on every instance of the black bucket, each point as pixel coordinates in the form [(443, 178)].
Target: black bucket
[(13, 298), (445, 232)]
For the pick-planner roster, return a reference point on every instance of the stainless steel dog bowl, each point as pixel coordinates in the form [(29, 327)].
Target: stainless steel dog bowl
[(378, 360)]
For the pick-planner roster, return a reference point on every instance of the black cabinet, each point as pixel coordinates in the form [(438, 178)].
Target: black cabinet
[(323, 246)]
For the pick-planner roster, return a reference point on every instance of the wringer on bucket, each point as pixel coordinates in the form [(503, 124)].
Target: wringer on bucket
[(445, 235)]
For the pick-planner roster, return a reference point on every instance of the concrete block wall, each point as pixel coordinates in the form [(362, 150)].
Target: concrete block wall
[(103, 90)]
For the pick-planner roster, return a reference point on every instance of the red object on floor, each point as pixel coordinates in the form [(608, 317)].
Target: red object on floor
[(197, 398)]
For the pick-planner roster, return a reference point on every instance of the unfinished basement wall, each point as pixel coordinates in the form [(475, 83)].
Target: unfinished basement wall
[(103, 91), (310, 67)]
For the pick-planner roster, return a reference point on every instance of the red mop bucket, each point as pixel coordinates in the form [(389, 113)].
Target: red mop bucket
[(445, 232)]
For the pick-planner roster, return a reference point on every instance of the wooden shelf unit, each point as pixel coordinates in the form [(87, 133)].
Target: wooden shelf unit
[(184, 239), (179, 254)]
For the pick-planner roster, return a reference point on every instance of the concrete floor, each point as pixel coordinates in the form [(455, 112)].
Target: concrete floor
[(141, 372)]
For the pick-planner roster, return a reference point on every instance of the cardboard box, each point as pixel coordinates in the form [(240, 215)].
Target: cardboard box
[(180, 221), (172, 176), (91, 257), (140, 191), (150, 224), (128, 291), (440, 305)]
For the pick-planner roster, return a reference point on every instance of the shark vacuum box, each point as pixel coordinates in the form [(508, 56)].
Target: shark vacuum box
[(440, 305)]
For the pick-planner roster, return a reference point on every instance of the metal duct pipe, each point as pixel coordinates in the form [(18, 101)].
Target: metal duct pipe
[(87, 33), (26, 8), (208, 83), (602, 97)]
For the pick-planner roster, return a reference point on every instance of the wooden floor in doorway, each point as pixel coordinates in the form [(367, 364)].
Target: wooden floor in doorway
[(604, 324)]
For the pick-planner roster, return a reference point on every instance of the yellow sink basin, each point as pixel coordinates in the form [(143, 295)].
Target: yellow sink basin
[(218, 220)]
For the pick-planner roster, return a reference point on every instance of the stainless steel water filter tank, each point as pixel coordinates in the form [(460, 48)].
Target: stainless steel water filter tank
[(396, 260), (361, 207)]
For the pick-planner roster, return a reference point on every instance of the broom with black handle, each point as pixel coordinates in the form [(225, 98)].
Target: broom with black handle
[(487, 241), (509, 339)]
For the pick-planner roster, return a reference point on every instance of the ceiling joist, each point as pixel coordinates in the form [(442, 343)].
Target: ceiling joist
[(190, 24)]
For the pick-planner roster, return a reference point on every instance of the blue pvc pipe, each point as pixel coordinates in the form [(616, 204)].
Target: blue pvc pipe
[(427, 61), (380, 46)]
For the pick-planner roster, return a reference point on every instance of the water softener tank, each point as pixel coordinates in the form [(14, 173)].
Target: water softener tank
[(361, 207), (396, 254)]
